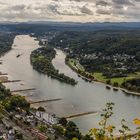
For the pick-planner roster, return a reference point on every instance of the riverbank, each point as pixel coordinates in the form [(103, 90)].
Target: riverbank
[(92, 78)]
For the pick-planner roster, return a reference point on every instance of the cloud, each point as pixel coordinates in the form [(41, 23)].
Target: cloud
[(86, 10), (70, 10), (102, 3), (103, 12), (123, 2)]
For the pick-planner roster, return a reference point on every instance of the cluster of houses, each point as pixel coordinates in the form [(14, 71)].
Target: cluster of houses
[(7, 132), (44, 40), (31, 119), (119, 61)]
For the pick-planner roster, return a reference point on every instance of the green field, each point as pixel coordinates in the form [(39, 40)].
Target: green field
[(119, 80)]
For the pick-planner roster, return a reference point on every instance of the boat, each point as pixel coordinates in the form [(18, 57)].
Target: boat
[(18, 55), (115, 89), (123, 90), (108, 87)]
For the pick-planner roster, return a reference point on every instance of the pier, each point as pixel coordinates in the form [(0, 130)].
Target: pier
[(43, 101), (20, 90), (81, 114), (3, 74), (11, 81)]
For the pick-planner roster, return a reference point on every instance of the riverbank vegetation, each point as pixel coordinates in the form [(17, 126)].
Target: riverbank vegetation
[(132, 84), (12, 102), (77, 67), (6, 41), (41, 59)]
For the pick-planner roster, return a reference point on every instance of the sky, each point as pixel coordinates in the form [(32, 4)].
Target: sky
[(70, 10)]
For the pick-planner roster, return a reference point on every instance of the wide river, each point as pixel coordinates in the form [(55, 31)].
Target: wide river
[(75, 99)]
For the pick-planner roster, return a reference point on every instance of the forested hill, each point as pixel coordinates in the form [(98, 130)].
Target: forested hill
[(107, 41)]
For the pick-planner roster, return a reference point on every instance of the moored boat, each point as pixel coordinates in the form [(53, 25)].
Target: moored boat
[(108, 87), (115, 89)]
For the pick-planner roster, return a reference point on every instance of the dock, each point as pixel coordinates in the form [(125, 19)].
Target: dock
[(81, 114), (11, 81), (43, 101), (20, 90), (1, 74)]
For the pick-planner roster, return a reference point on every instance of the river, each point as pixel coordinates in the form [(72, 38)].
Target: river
[(75, 99)]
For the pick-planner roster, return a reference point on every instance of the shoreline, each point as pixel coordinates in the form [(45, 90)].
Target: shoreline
[(98, 81)]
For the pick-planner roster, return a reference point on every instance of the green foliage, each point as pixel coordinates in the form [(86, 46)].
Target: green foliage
[(59, 129), (42, 128), (108, 82), (4, 93), (13, 102), (124, 129), (115, 84), (63, 121), (132, 84), (106, 131), (6, 41), (117, 52), (72, 131)]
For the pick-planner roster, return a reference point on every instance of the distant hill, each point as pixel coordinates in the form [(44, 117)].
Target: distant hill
[(42, 26)]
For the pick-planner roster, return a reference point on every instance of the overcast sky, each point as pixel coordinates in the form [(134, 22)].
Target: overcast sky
[(70, 10)]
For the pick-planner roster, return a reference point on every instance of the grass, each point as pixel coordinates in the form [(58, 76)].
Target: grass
[(119, 80), (74, 63)]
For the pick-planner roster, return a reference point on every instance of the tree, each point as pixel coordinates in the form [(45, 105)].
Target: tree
[(4, 92), (42, 128), (14, 102), (63, 121), (59, 129), (108, 82), (115, 84), (72, 131)]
